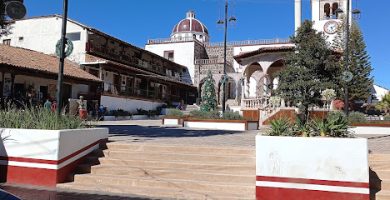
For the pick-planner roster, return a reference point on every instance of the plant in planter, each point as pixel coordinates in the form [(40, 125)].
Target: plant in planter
[(280, 127), (200, 114), (231, 115), (356, 117), (209, 100), (174, 113)]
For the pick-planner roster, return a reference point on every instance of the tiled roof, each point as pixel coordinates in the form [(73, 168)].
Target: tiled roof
[(28, 59), (264, 50)]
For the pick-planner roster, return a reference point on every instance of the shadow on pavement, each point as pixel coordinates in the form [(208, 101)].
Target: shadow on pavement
[(41, 194), (162, 132)]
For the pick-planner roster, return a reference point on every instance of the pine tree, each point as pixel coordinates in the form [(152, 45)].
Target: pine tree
[(309, 70), (359, 62), (209, 100)]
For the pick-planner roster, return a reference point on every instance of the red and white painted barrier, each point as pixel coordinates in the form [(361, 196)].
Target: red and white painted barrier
[(297, 168), (44, 157)]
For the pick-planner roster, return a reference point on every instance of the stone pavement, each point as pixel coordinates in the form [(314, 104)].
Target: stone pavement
[(152, 131), (27, 193)]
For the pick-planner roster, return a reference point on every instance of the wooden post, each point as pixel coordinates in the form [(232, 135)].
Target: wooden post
[(2, 85), (12, 84)]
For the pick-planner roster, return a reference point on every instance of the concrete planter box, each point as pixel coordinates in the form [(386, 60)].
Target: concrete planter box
[(139, 117), (114, 118), (311, 168), (231, 125), (371, 130), (45, 157), (170, 121)]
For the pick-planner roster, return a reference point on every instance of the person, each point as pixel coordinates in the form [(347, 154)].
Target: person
[(54, 106), (82, 108), (47, 104)]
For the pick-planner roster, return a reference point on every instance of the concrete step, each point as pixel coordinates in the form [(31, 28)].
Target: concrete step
[(154, 192), (237, 168), (134, 172), (381, 195), (203, 150), (380, 165), (378, 157), (192, 158), (167, 184)]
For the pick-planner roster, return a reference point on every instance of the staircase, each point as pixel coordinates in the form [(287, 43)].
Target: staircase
[(190, 108), (174, 172), (380, 176)]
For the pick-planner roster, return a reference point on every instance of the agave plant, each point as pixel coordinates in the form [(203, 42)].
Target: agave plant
[(337, 123), (280, 127), (320, 127), (301, 128)]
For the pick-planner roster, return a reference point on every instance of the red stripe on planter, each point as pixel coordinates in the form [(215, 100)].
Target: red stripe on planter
[(43, 161), (312, 181), (268, 193)]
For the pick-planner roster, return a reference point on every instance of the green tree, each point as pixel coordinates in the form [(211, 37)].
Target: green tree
[(209, 100), (359, 62), (384, 105), (309, 70)]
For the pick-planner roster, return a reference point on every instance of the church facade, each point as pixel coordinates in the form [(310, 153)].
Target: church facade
[(251, 65)]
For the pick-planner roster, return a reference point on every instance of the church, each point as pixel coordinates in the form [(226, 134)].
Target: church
[(251, 64)]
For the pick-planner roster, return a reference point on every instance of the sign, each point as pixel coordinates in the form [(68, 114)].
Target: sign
[(15, 10)]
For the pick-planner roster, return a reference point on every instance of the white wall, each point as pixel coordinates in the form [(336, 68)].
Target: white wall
[(184, 53), (42, 35), (333, 159), (131, 105)]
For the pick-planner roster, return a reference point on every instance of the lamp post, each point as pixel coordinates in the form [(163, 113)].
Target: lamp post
[(62, 57), (14, 9), (224, 79)]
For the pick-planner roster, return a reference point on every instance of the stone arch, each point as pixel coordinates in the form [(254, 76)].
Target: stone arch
[(230, 86), (251, 68), (272, 71)]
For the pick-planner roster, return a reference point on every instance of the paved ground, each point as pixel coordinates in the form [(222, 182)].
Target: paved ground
[(151, 131), (48, 194)]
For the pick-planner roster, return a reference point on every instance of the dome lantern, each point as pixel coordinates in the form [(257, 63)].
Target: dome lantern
[(189, 28)]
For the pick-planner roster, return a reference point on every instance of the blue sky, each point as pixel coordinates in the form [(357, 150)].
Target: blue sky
[(135, 21)]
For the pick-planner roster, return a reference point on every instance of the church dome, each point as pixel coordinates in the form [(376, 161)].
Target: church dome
[(190, 27)]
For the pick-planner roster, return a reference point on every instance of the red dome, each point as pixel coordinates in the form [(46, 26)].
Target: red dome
[(190, 24)]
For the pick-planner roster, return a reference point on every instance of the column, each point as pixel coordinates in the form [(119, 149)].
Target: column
[(247, 87), (12, 84)]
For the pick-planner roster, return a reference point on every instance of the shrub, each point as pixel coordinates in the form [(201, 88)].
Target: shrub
[(301, 128), (199, 114), (338, 125), (231, 115), (386, 118), (356, 117), (174, 113), (280, 127), (38, 119), (119, 113), (338, 104)]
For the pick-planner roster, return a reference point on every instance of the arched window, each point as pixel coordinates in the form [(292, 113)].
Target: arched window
[(335, 6), (327, 10)]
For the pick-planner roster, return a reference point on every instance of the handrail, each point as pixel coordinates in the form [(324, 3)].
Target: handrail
[(210, 61), (250, 42), (171, 40)]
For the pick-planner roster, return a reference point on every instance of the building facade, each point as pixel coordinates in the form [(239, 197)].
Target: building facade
[(132, 77)]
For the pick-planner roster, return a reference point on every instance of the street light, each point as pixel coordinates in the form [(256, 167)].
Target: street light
[(14, 9), (62, 57), (224, 79)]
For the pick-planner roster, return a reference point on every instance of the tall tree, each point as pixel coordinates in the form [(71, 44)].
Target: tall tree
[(209, 100), (309, 70), (359, 64)]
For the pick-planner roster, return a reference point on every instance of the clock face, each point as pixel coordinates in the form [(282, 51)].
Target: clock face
[(330, 27)]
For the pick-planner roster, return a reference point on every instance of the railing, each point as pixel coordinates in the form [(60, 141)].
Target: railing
[(171, 40), (251, 42), (211, 61), (258, 103)]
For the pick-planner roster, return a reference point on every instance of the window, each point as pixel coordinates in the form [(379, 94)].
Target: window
[(74, 36), (169, 55), (327, 10), (21, 39), (7, 42)]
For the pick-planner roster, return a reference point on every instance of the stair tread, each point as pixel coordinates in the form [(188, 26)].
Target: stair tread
[(153, 191), (130, 168), (166, 179)]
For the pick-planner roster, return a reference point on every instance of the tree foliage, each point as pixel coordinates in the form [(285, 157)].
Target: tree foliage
[(309, 70), (384, 104), (209, 100), (359, 62)]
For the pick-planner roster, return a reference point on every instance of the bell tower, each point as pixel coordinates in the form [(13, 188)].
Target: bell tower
[(328, 9)]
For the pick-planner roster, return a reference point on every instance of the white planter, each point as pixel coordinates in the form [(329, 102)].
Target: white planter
[(172, 122), (118, 118), (45, 157), (231, 125), (139, 117), (311, 168)]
